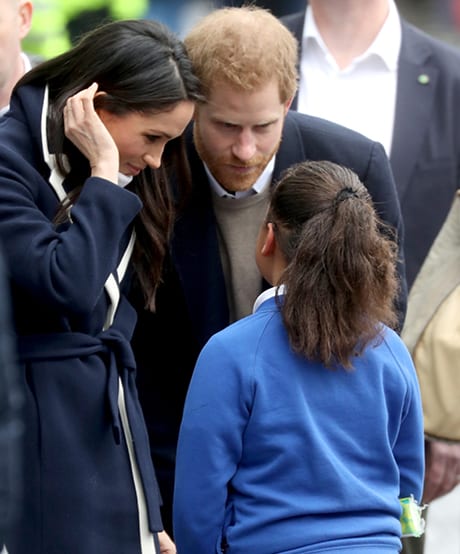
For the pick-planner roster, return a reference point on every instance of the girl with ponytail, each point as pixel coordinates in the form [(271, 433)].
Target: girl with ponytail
[(303, 426)]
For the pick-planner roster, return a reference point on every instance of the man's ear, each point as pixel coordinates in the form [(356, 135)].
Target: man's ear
[(269, 244), (287, 105), (25, 17)]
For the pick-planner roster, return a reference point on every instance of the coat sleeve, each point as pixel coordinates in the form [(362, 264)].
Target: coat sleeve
[(209, 449), (66, 267)]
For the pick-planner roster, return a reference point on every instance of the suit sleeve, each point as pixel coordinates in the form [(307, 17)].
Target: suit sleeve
[(209, 448), (380, 182)]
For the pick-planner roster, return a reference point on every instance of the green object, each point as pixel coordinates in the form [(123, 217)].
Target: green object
[(57, 24), (423, 79), (48, 35), (412, 522)]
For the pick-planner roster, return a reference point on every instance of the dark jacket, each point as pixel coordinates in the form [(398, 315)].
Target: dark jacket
[(425, 153), (78, 477), (192, 303)]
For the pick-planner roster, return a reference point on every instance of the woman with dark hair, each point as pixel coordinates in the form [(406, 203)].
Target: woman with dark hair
[(302, 429), (81, 194)]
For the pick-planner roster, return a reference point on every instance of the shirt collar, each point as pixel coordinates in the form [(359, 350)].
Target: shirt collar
[(27, 67), (266, 295), (26, 61), (262, 182), (124, 180), (386, 46)]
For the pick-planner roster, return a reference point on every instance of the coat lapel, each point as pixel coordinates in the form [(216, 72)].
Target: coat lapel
[(295, 23), (195, 251), (291, 148), (414, 102)]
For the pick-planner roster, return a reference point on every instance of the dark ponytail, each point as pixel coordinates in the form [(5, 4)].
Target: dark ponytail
[(341, 275)]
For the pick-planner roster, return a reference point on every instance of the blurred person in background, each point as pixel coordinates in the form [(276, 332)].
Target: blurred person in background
[(58, 24), (278, 8), (179, 15), (15, 22)]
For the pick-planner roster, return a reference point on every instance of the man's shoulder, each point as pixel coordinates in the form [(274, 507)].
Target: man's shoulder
[(419, 43), (294, 22), (308, 127), (311, 138)]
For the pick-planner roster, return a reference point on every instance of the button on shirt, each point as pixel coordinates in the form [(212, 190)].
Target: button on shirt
[(361, 96)]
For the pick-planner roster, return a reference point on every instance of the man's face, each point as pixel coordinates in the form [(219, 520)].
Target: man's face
[(237, 132), (15, 19)]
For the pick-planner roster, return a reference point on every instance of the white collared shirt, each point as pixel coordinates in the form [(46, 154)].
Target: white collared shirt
[(361, 96), (262, 182), (124, 180), (26, 61), (27, 67), (265, 295)]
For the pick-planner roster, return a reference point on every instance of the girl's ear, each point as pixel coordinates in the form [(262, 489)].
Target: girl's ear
[(268, 246)]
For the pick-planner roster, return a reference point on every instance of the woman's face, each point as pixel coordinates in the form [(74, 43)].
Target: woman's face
[(141, 137)]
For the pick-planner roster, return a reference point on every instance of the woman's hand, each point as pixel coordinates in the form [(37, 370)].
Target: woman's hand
[(166, 544), (85, 129)]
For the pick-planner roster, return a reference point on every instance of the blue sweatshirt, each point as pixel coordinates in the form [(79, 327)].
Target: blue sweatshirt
[(278, 454)]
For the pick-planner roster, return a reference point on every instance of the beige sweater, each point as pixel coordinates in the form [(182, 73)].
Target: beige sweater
[(238, 224)]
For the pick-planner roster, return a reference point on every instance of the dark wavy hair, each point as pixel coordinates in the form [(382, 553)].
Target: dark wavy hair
[(142, 67), (340, 278)]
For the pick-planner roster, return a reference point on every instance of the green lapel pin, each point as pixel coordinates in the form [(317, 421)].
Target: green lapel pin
[(423, 79)]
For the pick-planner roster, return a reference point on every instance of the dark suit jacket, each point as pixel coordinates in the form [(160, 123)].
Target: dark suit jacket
[(192, 302), (425, 154)]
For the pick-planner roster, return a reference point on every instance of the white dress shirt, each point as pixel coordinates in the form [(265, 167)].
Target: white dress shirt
[(27, 67), (363, 95)]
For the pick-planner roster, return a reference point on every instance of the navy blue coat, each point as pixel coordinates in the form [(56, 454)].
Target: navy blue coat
[(80, 492), (425, 153), (192, 303)]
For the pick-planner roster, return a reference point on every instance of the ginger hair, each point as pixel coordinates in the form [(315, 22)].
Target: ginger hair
[(244, 47)]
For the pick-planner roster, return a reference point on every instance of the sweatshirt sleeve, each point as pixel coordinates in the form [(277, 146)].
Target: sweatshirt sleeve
[(409, 447), (210, 443)]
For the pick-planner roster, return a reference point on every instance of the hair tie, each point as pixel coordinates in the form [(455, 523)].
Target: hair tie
[(343, 194)]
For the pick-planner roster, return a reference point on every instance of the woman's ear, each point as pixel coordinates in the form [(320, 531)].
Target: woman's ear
[(98, 101)]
